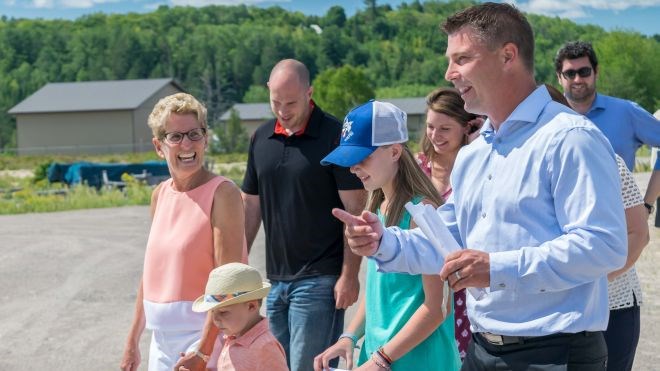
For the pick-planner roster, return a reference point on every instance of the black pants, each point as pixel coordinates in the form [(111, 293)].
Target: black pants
[(584, 351), (621, 337)]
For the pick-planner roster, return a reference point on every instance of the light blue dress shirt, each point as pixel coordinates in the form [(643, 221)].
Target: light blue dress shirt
[(625, 124), (542, 196)]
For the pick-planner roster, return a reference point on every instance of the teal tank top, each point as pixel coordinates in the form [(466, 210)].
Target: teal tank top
[(391, 299)]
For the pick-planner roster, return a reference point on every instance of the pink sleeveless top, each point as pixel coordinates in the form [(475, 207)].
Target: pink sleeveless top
[(179, 254)]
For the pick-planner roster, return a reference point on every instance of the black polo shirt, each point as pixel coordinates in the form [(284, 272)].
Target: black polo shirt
[(297, 195)]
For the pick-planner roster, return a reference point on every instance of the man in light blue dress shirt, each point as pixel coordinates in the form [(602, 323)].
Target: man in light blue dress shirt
[(536, 205)]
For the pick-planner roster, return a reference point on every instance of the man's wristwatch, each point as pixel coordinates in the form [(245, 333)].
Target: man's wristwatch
[(202, 356), (649, 207)]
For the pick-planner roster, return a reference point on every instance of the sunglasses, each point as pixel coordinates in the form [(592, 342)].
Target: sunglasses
[(176, 137), (582, 72)]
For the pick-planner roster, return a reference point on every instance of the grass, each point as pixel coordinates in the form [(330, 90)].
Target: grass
[(44, 197)]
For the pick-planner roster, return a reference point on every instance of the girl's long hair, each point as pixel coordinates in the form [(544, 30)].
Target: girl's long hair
[(449, 102), (410, 181)]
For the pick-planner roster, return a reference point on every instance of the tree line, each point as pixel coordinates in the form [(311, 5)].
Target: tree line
[(223, 54)]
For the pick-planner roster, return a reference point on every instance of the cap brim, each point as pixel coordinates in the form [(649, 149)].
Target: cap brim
[(199, 305), (347, 156)]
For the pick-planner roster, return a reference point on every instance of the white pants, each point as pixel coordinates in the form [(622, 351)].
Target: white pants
[(166, 347)]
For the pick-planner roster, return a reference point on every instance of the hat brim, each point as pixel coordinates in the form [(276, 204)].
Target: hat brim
[(199, 305), (347, 156)]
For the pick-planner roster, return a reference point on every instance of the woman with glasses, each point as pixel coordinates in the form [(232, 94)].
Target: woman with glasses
[(197, 225)]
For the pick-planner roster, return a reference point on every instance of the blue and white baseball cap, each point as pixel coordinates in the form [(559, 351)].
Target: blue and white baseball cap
[(366, 128)]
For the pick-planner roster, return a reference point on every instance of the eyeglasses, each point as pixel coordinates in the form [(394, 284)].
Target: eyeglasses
[(582, 72), (194, 135)]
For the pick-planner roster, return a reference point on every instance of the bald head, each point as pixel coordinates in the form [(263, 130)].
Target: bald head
[(287, 69), (290, 94)]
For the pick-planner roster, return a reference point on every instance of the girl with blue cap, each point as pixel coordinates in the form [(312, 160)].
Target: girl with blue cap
[(403, 318)]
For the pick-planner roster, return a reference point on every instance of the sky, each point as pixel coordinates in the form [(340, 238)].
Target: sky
[(642, 16)]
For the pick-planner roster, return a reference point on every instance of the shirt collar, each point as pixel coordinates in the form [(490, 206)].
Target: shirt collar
[(252, 334), (528, 111), (598, 104), (279, 129)]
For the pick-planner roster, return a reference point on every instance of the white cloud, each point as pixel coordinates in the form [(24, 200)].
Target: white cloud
[(10, 2), (220, 2), (49, 4), (579, 8), (42, 3)]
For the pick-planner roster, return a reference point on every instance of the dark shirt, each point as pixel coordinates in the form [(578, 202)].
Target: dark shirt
[(297, 195)]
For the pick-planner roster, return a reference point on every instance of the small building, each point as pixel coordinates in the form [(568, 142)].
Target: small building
[(92, 117), (415, 108), (254, 114)]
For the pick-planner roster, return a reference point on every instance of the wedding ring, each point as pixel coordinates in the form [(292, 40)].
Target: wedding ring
[(457, 275)]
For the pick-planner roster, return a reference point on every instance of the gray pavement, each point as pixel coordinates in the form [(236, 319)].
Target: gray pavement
[(68, 282)]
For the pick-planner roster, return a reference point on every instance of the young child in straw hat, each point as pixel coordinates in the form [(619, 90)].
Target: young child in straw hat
[(234, 293)]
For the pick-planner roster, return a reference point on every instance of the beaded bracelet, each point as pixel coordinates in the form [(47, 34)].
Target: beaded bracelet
[(377, 360), (381, 352)]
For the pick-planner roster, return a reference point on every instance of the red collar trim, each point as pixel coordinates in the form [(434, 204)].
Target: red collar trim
[(279, 129)]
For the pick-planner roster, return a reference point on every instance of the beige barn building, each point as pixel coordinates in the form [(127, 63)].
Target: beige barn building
[(89, 117), (254, 114)]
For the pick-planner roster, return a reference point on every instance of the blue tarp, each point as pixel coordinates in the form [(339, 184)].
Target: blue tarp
[(91, 173)]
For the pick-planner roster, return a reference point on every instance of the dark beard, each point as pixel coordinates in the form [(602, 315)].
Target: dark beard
[(587, 94)]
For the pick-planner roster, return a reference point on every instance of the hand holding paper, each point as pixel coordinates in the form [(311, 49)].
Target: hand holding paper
[(428, 220)]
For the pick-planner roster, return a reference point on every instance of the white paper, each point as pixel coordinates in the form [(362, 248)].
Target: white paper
[(428, 220)]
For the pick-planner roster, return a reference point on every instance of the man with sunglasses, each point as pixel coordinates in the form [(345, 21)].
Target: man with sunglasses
[(627, 126)]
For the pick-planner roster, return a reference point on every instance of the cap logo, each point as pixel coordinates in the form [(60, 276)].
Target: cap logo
[(346, 132)]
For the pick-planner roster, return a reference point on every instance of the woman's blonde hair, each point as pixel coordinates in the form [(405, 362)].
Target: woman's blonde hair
[(409, 182), (180, 103), (449, 102)]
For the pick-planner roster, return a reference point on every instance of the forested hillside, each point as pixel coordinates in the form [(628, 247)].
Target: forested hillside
[(220, 53)]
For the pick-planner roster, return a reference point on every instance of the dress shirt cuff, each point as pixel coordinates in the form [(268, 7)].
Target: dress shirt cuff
[(388, 249), (504, 270)]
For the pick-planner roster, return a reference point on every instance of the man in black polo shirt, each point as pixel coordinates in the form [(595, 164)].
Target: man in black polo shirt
[(313, 276)]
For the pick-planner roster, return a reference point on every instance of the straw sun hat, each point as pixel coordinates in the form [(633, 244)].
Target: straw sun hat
[(231, 284)]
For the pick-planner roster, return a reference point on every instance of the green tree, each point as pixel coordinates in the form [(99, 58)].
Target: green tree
[(256, 94), (334, 17), (337, 90), (405, 91), (232, 138), (222, 53), (628, 68)]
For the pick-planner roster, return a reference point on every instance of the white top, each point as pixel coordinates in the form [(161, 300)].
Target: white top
[(621, 289)]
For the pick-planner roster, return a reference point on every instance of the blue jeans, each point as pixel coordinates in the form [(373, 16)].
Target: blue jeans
[(303, 318)]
